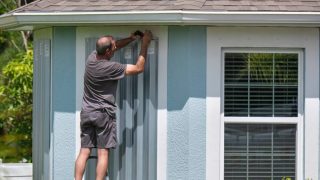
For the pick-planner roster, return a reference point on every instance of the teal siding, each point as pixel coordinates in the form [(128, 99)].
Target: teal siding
[(63, 101), (41, 109), (186, 103)]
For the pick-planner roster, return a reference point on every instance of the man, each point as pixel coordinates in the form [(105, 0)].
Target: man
[(98, 121)]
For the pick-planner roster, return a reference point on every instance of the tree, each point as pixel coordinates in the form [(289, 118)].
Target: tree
[(16, 109), (12, 43), (16, 63)]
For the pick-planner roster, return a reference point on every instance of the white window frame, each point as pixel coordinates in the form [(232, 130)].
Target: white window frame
[(298, 121), (300, 85), (220, 37)]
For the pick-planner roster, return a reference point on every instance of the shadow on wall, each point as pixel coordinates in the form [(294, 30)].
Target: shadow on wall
[(186, 65)]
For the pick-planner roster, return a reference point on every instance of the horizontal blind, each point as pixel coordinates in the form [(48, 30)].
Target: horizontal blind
[(259, 151), (261, 84)]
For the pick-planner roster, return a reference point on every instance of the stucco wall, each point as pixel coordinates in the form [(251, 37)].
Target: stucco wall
[(191, 129), (186, 103), (63, 101)]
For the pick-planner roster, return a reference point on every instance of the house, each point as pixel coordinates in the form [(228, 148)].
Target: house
[(231, 89)]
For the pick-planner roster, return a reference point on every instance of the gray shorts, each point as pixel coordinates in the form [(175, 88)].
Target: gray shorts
[(98, 130)]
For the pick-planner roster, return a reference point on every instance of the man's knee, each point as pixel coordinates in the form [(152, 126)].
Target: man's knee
[(103, 152), (85, 152)]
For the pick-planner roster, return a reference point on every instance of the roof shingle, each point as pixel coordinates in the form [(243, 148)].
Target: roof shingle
[(198, 5)]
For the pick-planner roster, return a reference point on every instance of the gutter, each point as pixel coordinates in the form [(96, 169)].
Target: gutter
[(180, 17)]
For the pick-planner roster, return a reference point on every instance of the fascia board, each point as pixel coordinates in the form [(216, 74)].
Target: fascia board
[(249, 18), (8, 21), (17, 20)]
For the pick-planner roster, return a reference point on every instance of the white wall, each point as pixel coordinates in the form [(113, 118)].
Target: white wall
[(305, 39), (21, 171)]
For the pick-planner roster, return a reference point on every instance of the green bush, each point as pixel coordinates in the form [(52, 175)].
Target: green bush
[(16, 109)]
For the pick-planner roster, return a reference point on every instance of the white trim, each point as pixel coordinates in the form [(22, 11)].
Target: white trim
[(262, 120), (16, 171), (78, 132), (213, 140), (23, 20), (264, 50), (267, 50), (80, 66), (166, 12), (162, 134), (270, 120), (300, 148), (161, 32), (265, 38)]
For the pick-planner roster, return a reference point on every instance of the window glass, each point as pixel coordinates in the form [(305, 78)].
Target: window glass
[(261, 84), (259, 151)]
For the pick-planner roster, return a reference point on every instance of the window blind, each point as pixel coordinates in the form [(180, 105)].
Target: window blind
[(259, 152), (261, 84)]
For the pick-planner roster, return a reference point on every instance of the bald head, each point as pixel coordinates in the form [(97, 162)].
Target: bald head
[(102, 44)]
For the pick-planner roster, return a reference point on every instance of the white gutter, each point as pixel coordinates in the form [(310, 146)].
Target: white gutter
[(179, 17)]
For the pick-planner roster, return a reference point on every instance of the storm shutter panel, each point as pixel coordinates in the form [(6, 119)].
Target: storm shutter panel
[(41, 109), (261, 84), (135, 157)]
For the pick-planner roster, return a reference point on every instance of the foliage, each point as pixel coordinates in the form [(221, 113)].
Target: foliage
[(15, 90), (285, 178), (16, 109), (267, 67), (11, 43), (7, 5)]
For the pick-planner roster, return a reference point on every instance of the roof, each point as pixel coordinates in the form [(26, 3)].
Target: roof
[(151, 5), (48, 13)]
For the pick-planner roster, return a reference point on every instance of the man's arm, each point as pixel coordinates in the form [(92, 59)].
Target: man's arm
[(139, 66), (123, 42)]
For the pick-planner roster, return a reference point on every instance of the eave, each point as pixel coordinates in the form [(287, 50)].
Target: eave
[(34, 20)]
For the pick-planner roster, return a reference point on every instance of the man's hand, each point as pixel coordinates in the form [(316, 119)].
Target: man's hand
[(139, 66), (147, 37), (137, 34)]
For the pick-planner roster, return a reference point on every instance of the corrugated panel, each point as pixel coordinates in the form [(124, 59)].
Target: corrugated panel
[(135, 157), (41, 108), (90, 45)]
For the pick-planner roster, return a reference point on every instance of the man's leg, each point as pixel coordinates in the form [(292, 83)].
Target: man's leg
[(102, 165), (81, 163)]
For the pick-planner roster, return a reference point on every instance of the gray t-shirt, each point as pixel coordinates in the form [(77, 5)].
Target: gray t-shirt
[(100, 84)]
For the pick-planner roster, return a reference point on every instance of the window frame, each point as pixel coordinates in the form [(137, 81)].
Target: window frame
[(298, 121)]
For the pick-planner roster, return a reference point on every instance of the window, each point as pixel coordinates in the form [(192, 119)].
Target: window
[(259, 151), (261, 84), (261, 89)]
